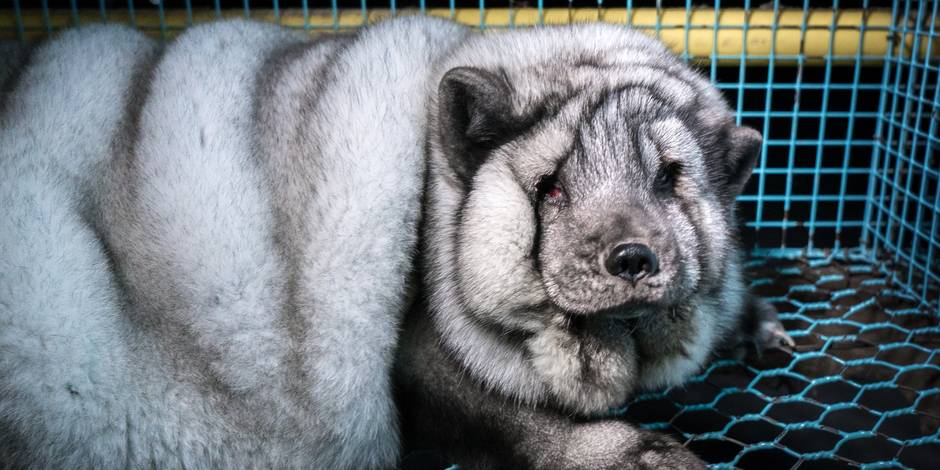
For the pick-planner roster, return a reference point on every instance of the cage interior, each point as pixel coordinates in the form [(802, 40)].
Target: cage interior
[(840, 215)]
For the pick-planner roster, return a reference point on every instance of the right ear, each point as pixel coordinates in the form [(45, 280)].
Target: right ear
[(743, 152), (474, 116)]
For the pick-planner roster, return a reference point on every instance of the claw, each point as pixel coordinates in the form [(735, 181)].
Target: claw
[(772, 335)]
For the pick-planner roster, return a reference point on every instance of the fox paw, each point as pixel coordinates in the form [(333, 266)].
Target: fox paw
[(759, 328), (770, 334)]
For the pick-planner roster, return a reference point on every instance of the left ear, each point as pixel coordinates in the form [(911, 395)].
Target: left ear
[(745, 145), (475, 116)]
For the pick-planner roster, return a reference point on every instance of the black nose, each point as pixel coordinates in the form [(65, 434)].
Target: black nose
[(632, 261)]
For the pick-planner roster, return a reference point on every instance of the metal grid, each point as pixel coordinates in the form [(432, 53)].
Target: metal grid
[(841, 212), (860, 388), (901, 219)]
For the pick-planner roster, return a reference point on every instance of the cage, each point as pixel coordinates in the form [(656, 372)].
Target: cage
[(840, 216)]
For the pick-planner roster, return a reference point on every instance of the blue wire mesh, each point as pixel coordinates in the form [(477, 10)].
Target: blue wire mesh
[(841, 213), (860, 388), (901, 221)]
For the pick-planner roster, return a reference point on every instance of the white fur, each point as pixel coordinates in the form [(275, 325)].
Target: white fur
[(145, 307), (61, 329)]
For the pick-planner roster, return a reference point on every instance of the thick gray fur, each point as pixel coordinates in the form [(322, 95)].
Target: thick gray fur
[(206, 249), (524, 334), (209, 247)]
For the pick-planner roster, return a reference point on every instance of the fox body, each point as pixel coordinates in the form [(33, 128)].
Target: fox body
[(211, 251)]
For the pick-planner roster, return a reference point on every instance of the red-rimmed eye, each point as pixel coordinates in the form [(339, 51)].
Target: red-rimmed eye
[(549, 188)]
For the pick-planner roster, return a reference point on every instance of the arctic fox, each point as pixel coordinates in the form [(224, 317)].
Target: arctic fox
[(209, 248)]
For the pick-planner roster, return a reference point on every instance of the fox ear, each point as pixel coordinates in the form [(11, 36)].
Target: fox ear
[(475, 116), (745, 145)]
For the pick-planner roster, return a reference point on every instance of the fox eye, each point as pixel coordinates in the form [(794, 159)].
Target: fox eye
[(666, 180), (549, 189)]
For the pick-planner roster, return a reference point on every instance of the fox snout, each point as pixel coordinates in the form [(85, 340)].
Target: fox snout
[(631, 262)]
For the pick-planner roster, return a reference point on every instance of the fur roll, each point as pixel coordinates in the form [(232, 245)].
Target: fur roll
[(208, 246)]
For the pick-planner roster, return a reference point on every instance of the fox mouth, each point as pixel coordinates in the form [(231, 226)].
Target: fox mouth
[(627, 310), (602, 297), (632, 305), (601, 325)]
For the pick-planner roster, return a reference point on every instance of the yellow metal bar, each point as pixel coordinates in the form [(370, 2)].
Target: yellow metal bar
[(790, 42)]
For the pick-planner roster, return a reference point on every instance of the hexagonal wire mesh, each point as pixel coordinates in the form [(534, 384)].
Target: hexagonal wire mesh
[(841, 212), (859, 388)]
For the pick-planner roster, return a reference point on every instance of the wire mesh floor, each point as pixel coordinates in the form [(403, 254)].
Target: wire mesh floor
[(861, 388)]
